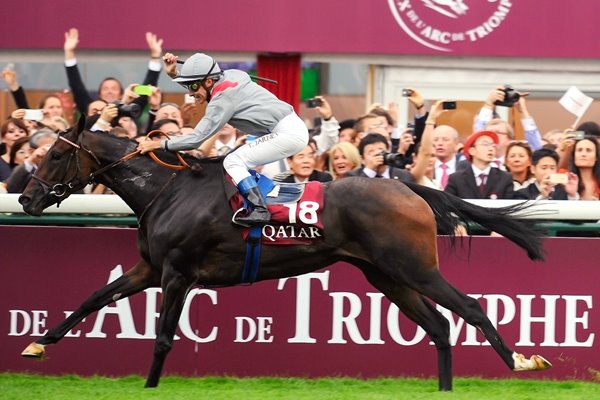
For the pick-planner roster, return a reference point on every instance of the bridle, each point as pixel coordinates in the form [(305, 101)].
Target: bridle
[(59, 190)]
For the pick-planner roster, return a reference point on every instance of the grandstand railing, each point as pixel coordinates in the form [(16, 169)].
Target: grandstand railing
[(554, 216)]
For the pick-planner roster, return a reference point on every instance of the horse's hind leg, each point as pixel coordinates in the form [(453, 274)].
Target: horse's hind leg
[(135, 280), (424, 314), (469, 309), (175, 287)]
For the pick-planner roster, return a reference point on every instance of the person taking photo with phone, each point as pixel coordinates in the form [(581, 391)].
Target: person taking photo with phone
[(549, 184), (234, 98)]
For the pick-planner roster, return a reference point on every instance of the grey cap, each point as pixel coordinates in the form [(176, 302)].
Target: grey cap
[(199, 66)]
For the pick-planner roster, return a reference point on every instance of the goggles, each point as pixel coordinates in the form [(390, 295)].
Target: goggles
[(193, 86)]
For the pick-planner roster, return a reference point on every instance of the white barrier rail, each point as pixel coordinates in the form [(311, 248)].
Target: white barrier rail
[(112, 204)]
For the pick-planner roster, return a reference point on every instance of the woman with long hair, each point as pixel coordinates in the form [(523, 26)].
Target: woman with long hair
[(10, 131), (584, 161)]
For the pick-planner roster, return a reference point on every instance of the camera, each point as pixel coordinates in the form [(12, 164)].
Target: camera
[(578, 135), (449, 105), (511, 96), (132, 110), (396, 160), (314, 102), (407, 92)]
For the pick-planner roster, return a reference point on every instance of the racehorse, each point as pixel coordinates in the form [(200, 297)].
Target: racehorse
[(385, 228)]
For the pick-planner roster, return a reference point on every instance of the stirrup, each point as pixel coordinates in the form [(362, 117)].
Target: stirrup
[(250, 222)]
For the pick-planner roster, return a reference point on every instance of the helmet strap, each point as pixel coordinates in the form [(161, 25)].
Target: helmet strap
[(203, 82)]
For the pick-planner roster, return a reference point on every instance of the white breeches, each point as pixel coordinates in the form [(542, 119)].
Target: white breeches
[(288, 137)]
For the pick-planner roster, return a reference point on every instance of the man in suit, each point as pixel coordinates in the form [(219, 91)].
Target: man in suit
[(371, 149), (445, 143), (302, 167), (544, 165), (481, 180)]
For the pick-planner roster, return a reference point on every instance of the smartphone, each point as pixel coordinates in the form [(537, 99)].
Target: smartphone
[(10, 66), (449, 105), (579, 135), (188, 99), (314, 102), (407, 92), (559, 178), (143, 90), (34, 115)]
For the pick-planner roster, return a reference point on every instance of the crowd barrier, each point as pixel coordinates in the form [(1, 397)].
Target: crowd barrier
[(558, 218), (327, 323)]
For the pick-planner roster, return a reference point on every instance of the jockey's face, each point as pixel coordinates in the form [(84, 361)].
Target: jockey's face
[(200, 93)]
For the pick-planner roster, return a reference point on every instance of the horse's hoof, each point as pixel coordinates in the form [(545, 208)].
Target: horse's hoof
[(535, 363), (34, 350)]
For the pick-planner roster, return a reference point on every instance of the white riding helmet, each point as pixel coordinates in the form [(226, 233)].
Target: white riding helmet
[(198, 67)]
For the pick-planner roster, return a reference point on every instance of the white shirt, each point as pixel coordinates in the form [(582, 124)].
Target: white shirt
[(477, 172), (439, 171), (371, 174)]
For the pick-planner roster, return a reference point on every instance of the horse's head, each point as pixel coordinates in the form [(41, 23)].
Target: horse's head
[(65, 169)]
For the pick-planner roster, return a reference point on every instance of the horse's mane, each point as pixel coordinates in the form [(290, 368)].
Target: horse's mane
[(197, 165)]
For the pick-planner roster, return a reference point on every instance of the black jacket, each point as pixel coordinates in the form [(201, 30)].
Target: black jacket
[(498, 185), (315, 176), (531, 192), (395, 173)]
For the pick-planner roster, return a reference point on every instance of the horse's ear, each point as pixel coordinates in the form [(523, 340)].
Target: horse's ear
[(80, 124)]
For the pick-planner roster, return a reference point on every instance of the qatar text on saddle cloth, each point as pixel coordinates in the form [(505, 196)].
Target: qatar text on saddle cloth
[(291, 223)]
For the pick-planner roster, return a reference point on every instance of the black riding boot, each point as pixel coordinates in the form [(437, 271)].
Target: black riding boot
[(259, 213)]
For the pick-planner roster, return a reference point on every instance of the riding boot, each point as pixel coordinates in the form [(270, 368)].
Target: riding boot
[(259, 213)]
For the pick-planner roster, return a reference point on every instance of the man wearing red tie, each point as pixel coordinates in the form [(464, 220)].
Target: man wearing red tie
[(481, 180)]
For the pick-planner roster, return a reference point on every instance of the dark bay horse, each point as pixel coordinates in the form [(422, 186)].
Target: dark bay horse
[(186, 238)]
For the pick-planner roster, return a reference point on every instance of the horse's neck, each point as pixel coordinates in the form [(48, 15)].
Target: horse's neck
[(137, 181)]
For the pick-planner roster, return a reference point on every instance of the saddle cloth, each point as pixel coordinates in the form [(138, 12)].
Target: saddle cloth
[(295, 209)]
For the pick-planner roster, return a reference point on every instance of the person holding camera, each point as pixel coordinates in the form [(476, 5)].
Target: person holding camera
[(487, 119), (548, 184), (377, 162), (232, 97)]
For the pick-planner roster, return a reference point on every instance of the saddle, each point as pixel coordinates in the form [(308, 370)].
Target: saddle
[(295, 209)]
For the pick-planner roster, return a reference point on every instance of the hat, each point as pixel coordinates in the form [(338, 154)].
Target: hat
[(471, 140), (197, 67)]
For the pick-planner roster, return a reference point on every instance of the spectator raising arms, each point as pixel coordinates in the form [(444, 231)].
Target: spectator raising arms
[(110, 89)]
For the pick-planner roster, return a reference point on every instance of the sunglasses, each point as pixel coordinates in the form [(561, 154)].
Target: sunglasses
[(193, 86)]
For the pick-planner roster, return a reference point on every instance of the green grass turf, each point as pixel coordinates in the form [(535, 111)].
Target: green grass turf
[(23, 386)]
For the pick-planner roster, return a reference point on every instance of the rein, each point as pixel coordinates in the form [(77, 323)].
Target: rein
[(59, 190)]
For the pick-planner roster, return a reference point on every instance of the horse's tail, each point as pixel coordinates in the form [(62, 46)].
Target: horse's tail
[(450, 211)]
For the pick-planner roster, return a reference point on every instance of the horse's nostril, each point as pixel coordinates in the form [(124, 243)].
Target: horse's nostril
[(24, 200)]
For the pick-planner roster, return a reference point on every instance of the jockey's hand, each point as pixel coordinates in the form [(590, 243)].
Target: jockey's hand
[(170, 63), (148, 145)]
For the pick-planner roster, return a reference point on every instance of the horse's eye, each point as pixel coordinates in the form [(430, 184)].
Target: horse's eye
[(56, 155)]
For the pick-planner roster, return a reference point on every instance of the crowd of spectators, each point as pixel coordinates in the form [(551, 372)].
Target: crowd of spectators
[(562, 164)]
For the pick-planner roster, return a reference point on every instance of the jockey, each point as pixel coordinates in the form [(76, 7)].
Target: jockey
[(233, 98)]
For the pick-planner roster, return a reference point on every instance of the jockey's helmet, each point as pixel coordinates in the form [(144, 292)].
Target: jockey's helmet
[(198, 67)]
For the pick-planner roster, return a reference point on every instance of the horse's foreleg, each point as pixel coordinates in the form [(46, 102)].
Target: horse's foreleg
[(424, 314), (138, 278), (175, 288)]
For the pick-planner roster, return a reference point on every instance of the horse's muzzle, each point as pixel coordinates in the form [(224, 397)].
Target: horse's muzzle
[(28, 206)]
